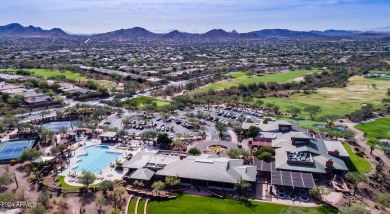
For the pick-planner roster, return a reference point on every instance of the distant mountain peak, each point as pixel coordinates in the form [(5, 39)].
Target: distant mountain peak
[(16, 30)]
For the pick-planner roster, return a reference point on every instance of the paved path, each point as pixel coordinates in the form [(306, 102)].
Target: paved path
[(233, 136), (359, 137)]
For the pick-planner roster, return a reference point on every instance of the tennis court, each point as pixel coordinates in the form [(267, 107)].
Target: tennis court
[(57, 126), (12, 149)]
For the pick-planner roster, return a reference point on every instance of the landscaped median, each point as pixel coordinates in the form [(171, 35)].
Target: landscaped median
[(199, 204), (64, 185)]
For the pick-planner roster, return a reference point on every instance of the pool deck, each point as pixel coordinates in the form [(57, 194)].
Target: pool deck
[(108, 173)]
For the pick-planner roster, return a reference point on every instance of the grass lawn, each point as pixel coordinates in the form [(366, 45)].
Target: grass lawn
[(106, 84), (356, 163), (380, 72), (338, 101), (309, 124), (242, 78), (141, 206), (67, 186), (160, 102), (47, 73), (209, 205), (131, 209), (376, 130)]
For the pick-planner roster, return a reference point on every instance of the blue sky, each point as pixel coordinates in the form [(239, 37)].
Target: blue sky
[(96, 16)]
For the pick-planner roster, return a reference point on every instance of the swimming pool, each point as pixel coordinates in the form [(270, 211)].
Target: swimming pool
[(95, 160)]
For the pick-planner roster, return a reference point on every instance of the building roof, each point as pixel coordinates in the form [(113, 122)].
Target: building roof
[(259, 143), (142, 174), (268, 135), (333, 145), (203, 167), (264, 166), (302, 135), (273, 126), (210, 169), (149, 159), (316, 147), (108, 134), (43, 159)]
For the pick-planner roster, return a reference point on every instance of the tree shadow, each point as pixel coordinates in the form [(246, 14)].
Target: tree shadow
[(88, 198), (248, 204)]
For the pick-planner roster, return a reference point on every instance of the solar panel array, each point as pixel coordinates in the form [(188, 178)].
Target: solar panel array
[(264, 166), (292, 179)]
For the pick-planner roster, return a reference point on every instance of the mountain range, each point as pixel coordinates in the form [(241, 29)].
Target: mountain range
[(16, 30)]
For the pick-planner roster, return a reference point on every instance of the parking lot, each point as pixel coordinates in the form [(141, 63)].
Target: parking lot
[(184, 122)]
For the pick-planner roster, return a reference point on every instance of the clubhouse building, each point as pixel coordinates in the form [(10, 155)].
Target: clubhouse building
[(301, 157)]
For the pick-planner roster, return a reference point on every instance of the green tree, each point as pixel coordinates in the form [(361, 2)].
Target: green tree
[(275, 109), (194, 151), (241, 186), (29, 155), (220, 127), (355, 178), (157, 186), (122, 133), (132, 103), (163, 139), (38, 209), (383, 199), (106, 185), (148, 135), (312, 110), (16, 101), (252, 131), (44, 198), (10, 120), (329, 119), (259, 103), (101, 200), (43, 84), (139, 184), (172, 181), (317, 192), (294, 111), (24, 126), (4, 179), (268, 149), (86, 178), (266, 156), (233, 153), (118, 192)]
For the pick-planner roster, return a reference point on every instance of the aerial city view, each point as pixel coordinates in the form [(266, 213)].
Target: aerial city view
[(195, 107)]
